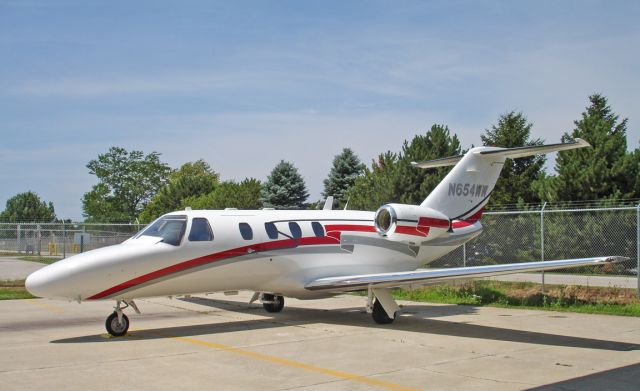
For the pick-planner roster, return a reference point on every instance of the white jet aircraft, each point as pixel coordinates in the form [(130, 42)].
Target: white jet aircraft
[(305, 254)]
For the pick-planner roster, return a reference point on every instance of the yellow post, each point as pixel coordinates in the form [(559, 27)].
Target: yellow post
[(53, 248)]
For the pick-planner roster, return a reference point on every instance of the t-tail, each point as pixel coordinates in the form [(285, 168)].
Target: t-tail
[(459, 199), (468, 186)]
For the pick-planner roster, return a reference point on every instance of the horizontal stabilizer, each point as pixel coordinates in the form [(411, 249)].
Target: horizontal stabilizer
[(428, 277), (537, 149), (442, 162), (512, 153)]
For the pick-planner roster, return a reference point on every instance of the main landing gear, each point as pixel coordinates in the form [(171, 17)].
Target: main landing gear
[(117, 323), (383, 308), (270, 302)]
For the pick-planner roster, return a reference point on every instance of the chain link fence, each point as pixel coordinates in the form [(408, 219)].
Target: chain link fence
[(60, 239), (508, 237), (548, 234)]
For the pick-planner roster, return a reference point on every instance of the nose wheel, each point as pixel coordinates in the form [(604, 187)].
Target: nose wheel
[(117, 323), (115, 326)]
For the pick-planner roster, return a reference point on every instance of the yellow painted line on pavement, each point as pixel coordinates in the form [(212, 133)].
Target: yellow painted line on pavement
[(292, 363), (48, 307)]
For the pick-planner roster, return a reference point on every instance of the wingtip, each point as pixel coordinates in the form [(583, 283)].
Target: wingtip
[(582, 142), (616, 259)]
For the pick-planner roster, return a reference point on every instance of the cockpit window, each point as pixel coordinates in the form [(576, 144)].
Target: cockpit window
[(200, 230), (169, 228)]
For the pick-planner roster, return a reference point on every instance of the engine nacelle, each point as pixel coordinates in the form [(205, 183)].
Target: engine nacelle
[(410, 223)]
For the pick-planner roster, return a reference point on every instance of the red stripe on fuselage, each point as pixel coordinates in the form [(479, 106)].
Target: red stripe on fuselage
[(331, 238), (415, 231), (467, 222), (433, 222)]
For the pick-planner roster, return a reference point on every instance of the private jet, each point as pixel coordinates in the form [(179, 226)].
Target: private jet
[(304, 254)]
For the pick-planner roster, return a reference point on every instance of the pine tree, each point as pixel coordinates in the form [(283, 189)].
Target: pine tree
[(518, 175), (600, 172), (285, 188), (346, 168)]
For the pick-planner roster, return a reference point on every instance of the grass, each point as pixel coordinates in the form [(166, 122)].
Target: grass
[(592, 300), (39, 259), (13, 289)]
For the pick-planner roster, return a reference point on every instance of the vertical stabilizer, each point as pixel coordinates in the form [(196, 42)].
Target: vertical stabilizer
[(467, 187)]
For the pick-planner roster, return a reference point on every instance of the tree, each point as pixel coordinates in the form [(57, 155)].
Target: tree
[(417, 183), (27, 207), (378, 185), (285, 188), (243, 195), (392, 178), (192, 179), (346, 168), (127, 181), (604, 171), (517, 176)]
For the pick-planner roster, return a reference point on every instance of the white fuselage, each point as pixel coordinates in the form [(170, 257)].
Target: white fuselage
[(347, 244)]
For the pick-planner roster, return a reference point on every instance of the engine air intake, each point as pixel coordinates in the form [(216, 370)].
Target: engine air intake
[(385, 219)]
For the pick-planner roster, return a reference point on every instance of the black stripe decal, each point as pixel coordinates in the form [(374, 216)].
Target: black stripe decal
[(474, 208)]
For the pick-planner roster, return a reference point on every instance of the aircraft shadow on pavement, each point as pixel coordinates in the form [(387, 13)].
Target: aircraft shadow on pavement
[(415, 318), (623, 378)]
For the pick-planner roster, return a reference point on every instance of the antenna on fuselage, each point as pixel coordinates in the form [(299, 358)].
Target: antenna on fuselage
[(328, 203)]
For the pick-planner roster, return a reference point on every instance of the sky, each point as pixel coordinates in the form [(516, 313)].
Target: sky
[(245, 84)]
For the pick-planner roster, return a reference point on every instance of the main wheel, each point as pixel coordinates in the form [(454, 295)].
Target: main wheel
[(115, 327), (380, 315), (276, 303)]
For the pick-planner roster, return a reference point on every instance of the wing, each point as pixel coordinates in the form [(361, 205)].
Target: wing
[(428, 277)]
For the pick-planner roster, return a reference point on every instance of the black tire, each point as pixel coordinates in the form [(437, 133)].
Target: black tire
[(380, 315), (277, 303), (114, 327)]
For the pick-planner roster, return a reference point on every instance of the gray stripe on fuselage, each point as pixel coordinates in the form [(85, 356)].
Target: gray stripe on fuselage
[(377, 242), (452, 240)]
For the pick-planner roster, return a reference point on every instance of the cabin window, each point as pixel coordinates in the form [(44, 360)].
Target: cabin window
[(200, 230), (296, 232), (170, 228), (272, 231), (317, 229), (246, 231)]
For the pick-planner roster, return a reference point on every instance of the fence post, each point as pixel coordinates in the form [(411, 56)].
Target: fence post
[(464, 254), (64, 240), (542, 239), (638, 247), (39, 236), (18, 234)]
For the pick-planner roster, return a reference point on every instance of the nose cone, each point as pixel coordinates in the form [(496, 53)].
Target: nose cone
[(49, 282)]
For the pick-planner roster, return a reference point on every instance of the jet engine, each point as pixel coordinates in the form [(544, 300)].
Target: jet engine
[(410, 223)]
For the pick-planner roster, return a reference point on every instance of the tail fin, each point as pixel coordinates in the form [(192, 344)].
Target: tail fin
[(467, 187)]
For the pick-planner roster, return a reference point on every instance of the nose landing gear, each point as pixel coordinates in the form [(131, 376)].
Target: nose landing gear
[(117, 323)]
